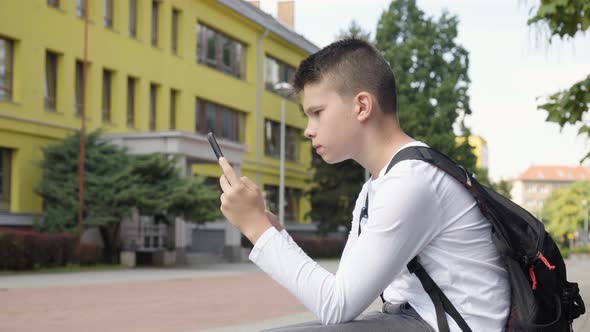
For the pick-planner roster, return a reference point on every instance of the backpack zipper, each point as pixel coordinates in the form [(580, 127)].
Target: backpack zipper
[(538, 257)]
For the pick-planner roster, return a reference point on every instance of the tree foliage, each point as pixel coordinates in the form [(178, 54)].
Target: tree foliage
[(355, 31), (565, 19), (563, 210), (431, 74), (333, 192), (115, 183), (432, 81), (502, 187), (107, 183)]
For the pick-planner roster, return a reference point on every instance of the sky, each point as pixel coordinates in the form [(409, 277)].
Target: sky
[(511, 66)]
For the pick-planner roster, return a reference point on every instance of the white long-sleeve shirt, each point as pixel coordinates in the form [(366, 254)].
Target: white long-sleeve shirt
[(414, 209)]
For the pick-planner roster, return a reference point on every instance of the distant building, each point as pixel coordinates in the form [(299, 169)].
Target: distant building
[(535, 184), (480, 149)]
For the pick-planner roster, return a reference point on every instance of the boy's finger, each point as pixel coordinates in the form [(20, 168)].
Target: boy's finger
[(251, 185), (231, 176), (225, 186)]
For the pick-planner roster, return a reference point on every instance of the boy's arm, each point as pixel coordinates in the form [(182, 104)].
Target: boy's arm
[(398, 229), (353, 234)]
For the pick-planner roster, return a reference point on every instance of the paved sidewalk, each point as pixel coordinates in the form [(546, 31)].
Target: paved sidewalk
[(211, 298)]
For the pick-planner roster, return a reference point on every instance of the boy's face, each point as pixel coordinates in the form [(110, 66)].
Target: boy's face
[(332, 125)]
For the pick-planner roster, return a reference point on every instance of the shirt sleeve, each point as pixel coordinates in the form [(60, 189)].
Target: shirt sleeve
[(353, 234), (288, 237), (399, 226)]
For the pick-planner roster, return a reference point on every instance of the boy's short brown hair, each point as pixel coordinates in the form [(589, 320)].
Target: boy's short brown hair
[(352, 65)]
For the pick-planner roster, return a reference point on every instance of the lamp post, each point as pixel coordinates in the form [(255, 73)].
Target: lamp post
[(284, 89), (585, 233)]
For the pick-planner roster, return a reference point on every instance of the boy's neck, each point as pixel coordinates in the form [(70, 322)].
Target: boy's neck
[(379, 148)]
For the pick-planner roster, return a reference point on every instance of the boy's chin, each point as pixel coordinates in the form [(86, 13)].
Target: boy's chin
[(331, 160)]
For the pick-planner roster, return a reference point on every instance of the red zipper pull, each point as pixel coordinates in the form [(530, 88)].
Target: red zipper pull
[(546, 262), (533, 278)]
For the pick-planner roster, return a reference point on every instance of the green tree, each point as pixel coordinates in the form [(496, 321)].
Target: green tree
[(160, 190), (563, 210), (502, 187), (431, 72), (333, 192), (431, 75), (565, 19), (355, 31), (115, 183)]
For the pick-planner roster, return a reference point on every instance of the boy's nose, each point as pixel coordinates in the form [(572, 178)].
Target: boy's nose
[(308, 132)]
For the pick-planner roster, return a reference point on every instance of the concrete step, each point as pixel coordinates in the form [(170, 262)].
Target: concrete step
[(200, 258)]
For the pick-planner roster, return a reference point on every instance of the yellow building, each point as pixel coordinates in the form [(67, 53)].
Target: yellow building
[(160, 75), (480, 149)]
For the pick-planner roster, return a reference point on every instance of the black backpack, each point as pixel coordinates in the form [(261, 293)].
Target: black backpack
[(541, 297)]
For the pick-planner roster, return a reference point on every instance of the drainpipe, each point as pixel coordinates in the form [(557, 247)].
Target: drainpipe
[(259, 87), (80, 228)]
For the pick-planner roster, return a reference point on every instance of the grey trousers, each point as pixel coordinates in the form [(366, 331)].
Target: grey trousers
[(393, 318)]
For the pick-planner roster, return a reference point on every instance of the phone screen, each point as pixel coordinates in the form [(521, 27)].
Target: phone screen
[(214, 145)]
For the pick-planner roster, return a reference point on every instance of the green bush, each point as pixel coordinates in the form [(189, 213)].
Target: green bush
[(88, 254), (12, 254), (26, 249), (321, 247), (565, 252)]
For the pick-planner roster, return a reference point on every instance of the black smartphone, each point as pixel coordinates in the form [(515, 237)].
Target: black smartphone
[(214, 145)]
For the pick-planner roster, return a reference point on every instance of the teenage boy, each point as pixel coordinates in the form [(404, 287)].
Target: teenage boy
[(415, 209)]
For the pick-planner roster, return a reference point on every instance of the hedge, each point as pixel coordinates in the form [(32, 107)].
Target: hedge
[(321, 247), (565, 252), (29, 249)]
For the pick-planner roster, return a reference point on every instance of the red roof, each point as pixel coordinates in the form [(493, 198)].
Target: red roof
[(555, 173)]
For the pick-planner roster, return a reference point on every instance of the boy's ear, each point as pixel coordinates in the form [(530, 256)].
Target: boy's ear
[(364, 105)]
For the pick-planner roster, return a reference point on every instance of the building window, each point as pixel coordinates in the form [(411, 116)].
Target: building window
[(107, 94), (6, 68), (108, 14), (5, 171), (153, 105), (222, 121), (155, 9), (80, 8), (53, 3), (79, 81), (277, 71), (175, 25), (51, 63), (219, 51), (173, 106), (133, 18), (292, 198), (272, 140), (131, 91)]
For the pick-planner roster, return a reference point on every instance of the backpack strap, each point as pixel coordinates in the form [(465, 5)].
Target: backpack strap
[(436, 159), (441, 303), (364, 212)]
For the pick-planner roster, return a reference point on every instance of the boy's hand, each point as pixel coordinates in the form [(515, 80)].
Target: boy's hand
[(242, 203)]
